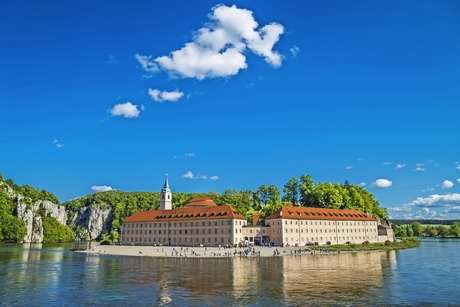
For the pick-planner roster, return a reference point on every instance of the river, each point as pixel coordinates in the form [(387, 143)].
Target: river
[(51, 275)]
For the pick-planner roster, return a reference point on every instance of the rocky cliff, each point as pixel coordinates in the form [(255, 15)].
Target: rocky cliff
[(32, 214), (91, 222)]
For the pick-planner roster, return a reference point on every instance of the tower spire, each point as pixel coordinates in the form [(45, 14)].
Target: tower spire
[(166, 196)]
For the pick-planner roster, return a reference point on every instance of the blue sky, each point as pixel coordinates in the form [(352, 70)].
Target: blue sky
[(233, 95)]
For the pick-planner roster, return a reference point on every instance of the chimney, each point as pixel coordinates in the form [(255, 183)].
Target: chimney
[(255, 218)]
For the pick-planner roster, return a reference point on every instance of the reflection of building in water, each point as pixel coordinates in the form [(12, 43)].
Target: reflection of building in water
[(201, 221), (334, 275)]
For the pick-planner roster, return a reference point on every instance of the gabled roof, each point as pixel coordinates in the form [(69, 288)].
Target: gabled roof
[(199, 208), (308, 213), (198, 213)]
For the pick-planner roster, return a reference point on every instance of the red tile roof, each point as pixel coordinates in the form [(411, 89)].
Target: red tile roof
[(191, 211), (200, 202), (308, 213)]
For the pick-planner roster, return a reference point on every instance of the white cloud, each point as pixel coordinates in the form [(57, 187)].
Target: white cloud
[(362, 184), (214, 178), (161, 96), (217, 49), (294, 51), (381, 183), (419, 169), (458, 180), (58, 144), (398, 166), (458, 167), (455, 209), (125, 109), (349, 167), (190, 154), (435, 200), (101, 188), (387, 163), (419, 164), (447, 184), (188, 175), (146, 63)]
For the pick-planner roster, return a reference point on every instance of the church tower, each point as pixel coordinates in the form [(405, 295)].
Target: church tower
[(166, 197)]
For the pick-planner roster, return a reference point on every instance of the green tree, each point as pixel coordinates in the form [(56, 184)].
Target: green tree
[(417, 229), (454, 229), (409, 231), (291, 191), (307, 191), (13, 229), (443, 231), (328, 196), (55, 232)]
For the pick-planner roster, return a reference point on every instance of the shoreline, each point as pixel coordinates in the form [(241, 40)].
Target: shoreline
[(202, 252), (232, 252)]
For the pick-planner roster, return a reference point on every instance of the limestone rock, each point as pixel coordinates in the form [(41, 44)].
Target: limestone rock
[(91, 222)]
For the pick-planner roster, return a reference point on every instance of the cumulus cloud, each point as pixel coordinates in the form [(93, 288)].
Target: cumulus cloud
[(398, 166), (419, 164), (458, 180), (447, 184), (362, 184), (387, 163), (419, 169), (127, 110), (214, 178), (217, 49), (381, 183), (190, 154), (458, 167), (147, 64), (161, 96), (58, 144), (101, 188), (436, 200), (349, 167), (294, 51), (190, 175)]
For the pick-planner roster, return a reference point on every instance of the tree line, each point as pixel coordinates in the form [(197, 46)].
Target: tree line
[(416, 229)]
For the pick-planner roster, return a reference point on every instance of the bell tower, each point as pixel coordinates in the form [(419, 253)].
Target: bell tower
[(166, 196)]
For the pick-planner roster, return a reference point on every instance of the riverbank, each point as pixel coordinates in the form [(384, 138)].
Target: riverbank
[(212, 252), (386, 246), (201, 252)]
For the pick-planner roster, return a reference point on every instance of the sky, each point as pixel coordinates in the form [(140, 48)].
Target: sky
[(100, 95)]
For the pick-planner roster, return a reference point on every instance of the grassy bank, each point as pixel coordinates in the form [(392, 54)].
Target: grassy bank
[(405, 243)]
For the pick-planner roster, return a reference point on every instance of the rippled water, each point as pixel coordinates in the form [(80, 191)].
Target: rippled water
[(37, 275)]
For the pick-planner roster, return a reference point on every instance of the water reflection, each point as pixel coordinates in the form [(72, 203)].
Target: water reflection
[(51, 275), (290, 279)]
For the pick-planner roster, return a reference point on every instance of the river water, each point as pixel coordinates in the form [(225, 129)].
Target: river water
[(51, 275)]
